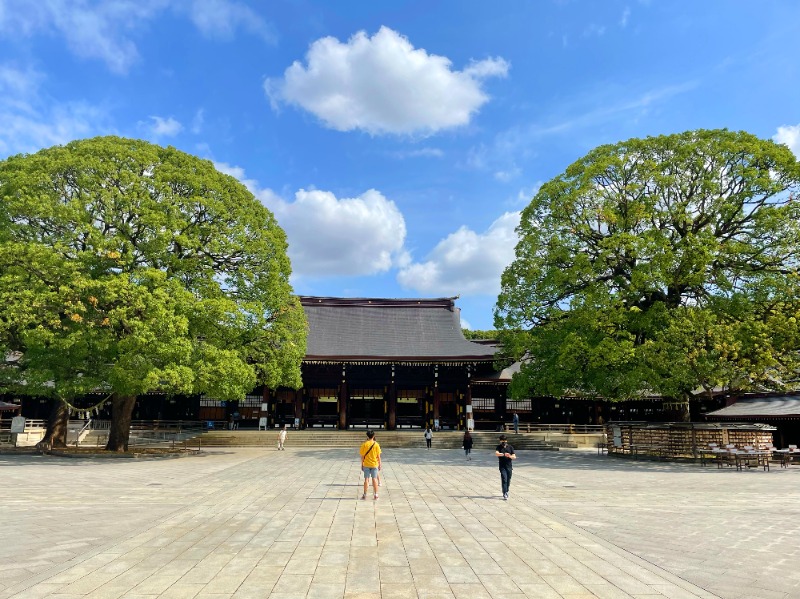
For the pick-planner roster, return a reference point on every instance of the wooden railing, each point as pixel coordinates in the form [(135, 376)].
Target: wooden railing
[(30, 425), (572, 429)]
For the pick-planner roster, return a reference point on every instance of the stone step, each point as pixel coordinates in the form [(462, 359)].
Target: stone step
[(387, 439)]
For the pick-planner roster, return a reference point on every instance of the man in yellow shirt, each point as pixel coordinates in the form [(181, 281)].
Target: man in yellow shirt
[(370, 462)]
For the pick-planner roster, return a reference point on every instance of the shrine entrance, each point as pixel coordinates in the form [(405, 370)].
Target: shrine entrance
[(367, 407)]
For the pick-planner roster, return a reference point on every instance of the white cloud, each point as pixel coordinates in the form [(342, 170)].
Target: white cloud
[(106, 29), (221, 19), (330, 236), (465, 262), (162, 127), (382, 84), (790, 136), (465, 324), (237, 172), (29, 121)]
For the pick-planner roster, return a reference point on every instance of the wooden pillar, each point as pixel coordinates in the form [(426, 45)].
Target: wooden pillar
[(343, 399), (435, 395), (391, 412), (266, 397), (298, 406), (500, 405), (468, 414)]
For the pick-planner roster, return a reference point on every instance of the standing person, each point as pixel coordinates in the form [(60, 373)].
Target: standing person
[(282, 438), (370, 453), (428, 437), (467, 444), (506, 455), (515, 420)]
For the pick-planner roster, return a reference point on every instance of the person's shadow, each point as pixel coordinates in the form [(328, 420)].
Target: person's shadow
[(475, 496)]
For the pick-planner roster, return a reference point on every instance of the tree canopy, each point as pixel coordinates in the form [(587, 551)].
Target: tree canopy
[(131, 267), (659, 265)]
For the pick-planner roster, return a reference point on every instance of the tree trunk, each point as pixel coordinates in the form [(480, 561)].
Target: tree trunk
[(121, 415), (56, 433)]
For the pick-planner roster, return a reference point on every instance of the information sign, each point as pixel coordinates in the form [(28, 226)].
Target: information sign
[(18, 424)]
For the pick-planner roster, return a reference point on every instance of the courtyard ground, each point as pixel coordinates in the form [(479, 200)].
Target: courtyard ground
[(239, 523)]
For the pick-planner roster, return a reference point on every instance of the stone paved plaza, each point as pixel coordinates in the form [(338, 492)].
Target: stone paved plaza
[(239, 523)]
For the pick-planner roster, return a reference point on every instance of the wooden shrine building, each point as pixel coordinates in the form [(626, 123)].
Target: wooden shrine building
[(383, 363)]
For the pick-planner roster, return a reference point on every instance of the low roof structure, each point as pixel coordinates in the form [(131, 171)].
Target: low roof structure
[(375, 331), (763, 407), (503, 376), (7, 407)]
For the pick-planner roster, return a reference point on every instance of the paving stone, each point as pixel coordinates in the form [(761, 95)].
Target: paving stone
[(240, 523)]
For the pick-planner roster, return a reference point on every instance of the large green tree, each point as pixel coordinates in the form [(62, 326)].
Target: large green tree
[(664, 265), (132, 267)]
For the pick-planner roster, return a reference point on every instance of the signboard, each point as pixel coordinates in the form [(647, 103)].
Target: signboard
[(470, 423), (436, 424), (265, 407), (262, 423), (617, 436), (297, 423), (469, 409), (18, 424)]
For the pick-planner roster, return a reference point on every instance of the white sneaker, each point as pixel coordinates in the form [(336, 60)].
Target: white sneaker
[(505, 496), (376, 496)]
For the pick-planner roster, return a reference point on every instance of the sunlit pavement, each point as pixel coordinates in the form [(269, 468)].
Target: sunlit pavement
[(261, 523)]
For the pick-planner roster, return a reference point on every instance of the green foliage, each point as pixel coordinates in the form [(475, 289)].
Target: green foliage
[(135, 267), (658, 265), (470, 334)]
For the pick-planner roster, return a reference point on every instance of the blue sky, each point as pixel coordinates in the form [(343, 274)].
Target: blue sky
[(395, 142)]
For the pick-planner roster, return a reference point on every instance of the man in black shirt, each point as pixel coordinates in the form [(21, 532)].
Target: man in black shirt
[(506, 455)]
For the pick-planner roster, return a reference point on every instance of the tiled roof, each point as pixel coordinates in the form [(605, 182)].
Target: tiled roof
[(761, 407), (400, 330)]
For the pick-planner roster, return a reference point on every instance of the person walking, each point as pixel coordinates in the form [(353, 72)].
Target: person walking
[(370, 453), (428, 437), (282, 438), (515, 420), (467, 444), (506, 455)]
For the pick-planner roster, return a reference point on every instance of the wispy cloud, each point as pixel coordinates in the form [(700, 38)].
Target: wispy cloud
[(511, 149), (197, 121), (162, 127), (594, 30), (108, 30), (419, 153), (626, 15), (30, 120)]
